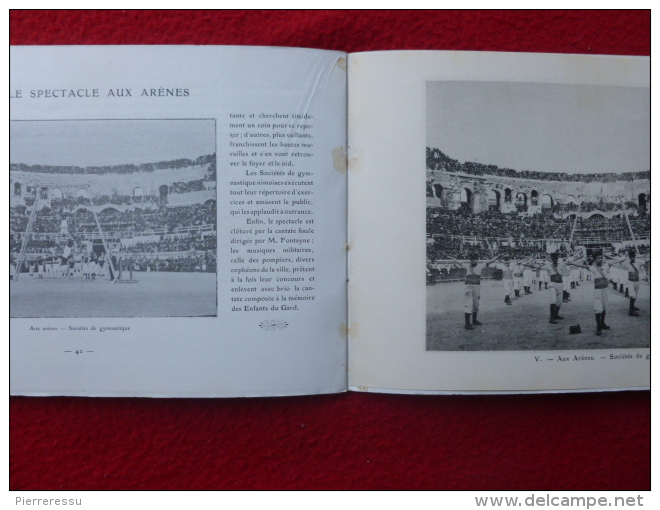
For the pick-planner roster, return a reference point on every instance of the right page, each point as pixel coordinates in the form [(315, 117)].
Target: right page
[(499, 222)]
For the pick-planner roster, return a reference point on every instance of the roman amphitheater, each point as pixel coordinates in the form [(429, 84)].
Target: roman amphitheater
[(486, 190)]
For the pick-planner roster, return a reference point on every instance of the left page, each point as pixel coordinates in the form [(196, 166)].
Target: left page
[(177, 221)]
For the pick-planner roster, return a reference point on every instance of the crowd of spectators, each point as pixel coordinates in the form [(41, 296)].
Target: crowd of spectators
[(187, 187), (70, 203), (459, 233), (18, 219), (442, 247), (192, 250), (126, 200), (41, 246), (187, 262), (204, 262), (168, 219), (163, 219), (600, 226), (208, 159), (173, 243), (437, 160), (542, 225), (494, 223), (601, 206), (642, 249)]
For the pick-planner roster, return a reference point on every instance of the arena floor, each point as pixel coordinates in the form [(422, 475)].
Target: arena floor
[(525, 325), (155, 295)]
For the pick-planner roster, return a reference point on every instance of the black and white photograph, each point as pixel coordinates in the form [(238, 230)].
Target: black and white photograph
[(537, 216), (113, 218)]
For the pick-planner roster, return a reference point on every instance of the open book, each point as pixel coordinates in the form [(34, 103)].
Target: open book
[(239, 221)]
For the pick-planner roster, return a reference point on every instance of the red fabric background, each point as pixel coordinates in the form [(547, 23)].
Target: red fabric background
[(351, 441)]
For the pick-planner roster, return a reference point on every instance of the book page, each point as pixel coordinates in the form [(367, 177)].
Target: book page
[(499, 222), (178, 221)]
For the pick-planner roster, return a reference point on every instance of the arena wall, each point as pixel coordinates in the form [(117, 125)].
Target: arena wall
[(450, 190)]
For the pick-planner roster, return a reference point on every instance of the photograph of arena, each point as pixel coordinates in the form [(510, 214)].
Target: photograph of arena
[(113, 218), (537, 217)]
